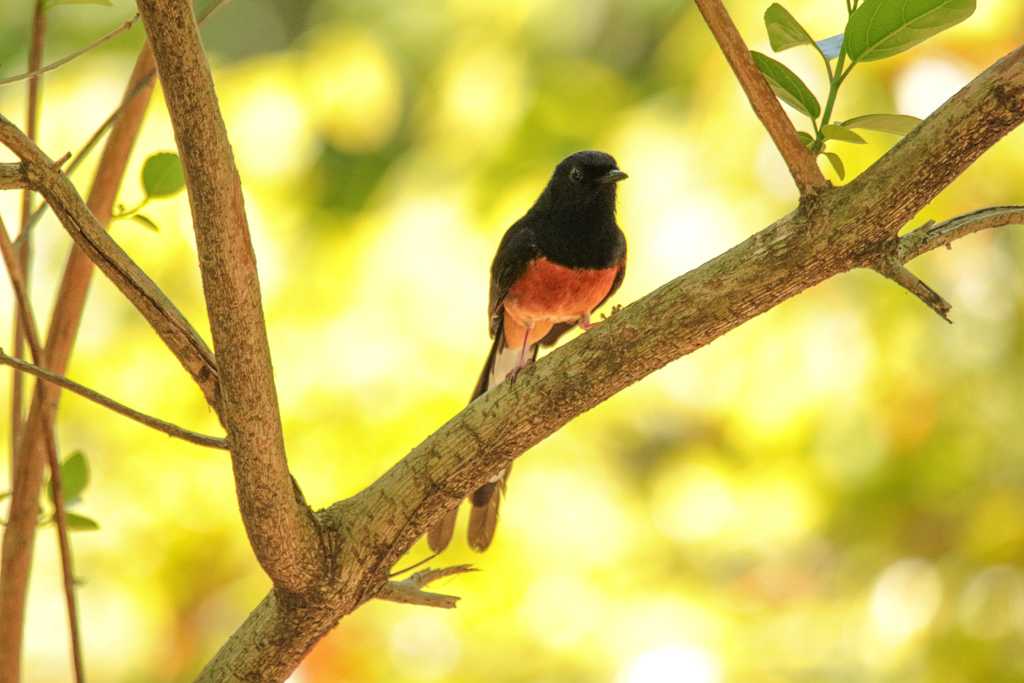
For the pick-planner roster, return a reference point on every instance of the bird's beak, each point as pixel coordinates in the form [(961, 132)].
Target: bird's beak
[(612, 176)]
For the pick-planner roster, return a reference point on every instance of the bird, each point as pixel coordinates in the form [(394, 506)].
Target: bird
[(558, 263)]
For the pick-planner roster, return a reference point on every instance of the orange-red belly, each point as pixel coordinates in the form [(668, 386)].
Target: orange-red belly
[(548, 293)]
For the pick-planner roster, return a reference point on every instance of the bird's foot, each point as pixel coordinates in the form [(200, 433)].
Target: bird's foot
[(615, 309), (584, 322)]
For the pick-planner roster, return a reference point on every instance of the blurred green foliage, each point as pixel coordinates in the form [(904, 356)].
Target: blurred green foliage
[(833, 492)]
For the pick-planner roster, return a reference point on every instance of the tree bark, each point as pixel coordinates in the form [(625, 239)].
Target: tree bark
[(282, 530)]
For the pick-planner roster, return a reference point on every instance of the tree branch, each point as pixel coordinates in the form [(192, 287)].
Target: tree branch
[(19, 536), (26, 318), (933, 235), (88, 233), (37, 71), (410, 591), (846, 228), (801, 163), (156, 423), (282, 530)]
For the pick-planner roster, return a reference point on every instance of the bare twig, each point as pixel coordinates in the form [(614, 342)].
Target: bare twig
[(18, 540), (28, 321), (891, 267), (88, 233), (801, 163), (74, 55), (156, 423), (12, 177), (932, 235), (410, 590), (136, 87), (35, 58)]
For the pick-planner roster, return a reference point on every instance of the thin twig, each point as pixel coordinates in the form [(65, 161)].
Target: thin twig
[(156, 423), (889, 259), (74, 55), (97, 135), (801, 163), (35, 58), (28, 322), (409, 591), (933, 235)]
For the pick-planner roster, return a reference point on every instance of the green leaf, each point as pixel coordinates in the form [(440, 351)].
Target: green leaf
[(162, 175), (74, 476), (830, 46), (80, 522), (897, 124), (5, 494), (806, 138), (784, 31), (882, 28), (787, 85), (54, 3), (836, 132), (145, 221), (837, 164)]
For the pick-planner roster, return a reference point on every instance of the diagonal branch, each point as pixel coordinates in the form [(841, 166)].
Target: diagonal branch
[(410, 591), (88, 233), (800, 161), (848, 227), (37, 71), (156, 423), (282, 530)]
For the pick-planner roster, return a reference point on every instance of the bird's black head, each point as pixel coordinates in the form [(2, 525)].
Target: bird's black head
[(587, 173), (582, 182)]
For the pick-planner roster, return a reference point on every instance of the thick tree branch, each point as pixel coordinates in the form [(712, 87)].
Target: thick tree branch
[(844, 228), (156, 423), (800, 161), (282, 530), (13, 177)]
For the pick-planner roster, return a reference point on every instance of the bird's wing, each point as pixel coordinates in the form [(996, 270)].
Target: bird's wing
[(518, 247)]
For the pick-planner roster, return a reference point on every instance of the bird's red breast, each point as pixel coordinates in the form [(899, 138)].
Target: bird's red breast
[(548, 293)]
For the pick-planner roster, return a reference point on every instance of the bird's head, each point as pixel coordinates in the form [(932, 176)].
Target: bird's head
[(584, 177)]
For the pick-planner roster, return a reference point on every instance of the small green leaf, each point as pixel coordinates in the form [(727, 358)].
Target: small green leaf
[(897, 124), (830, 46), (784, 31), (5, 494), (806, 138), (162, 175), (787, 85), (54, 3), (882, 28), (836, 132), (74, 476), (837, 164), (145, 221), (80, 522)]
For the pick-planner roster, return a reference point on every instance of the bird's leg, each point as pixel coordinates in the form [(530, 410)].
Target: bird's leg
[(522, 361), (584, 322)]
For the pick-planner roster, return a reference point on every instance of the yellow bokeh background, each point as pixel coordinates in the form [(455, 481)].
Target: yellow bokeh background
[(832, 492)]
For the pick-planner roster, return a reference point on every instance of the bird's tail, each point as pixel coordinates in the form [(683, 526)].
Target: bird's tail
[(483, 517)]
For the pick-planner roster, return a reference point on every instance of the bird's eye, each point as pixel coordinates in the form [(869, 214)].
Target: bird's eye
[(576, 174)]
